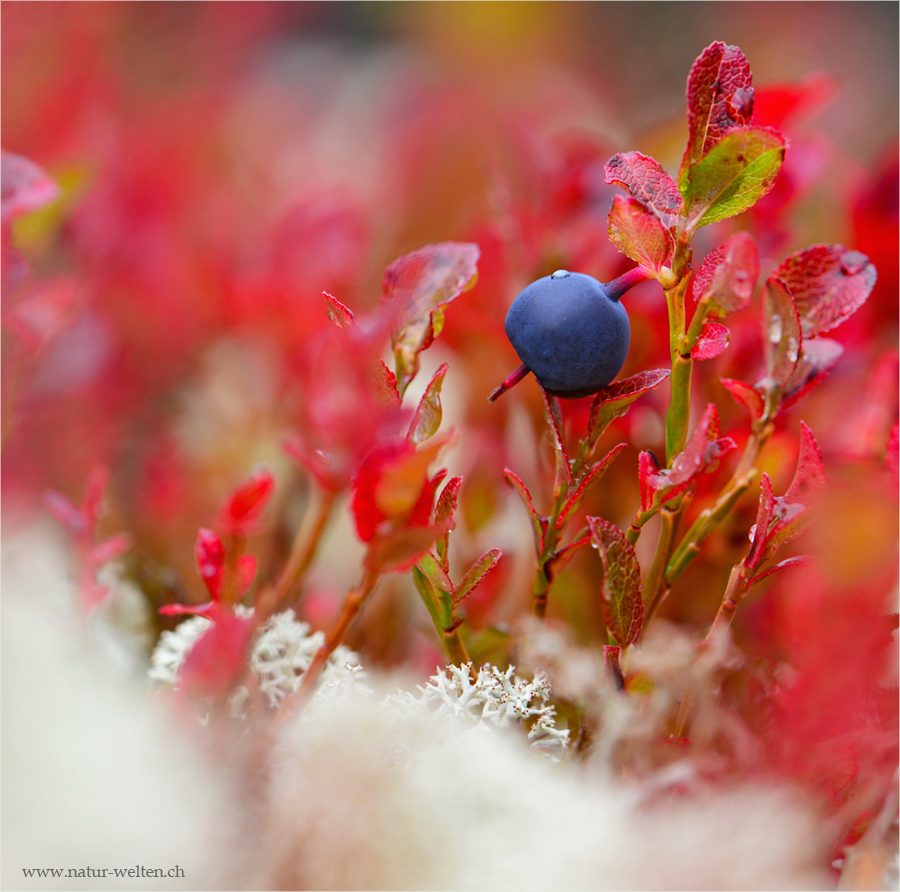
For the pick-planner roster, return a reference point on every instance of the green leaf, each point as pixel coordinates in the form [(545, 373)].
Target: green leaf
[(738, 171), (623, 608)]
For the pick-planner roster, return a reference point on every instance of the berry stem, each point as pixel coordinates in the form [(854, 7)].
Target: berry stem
[(511, 381), (616, 288)]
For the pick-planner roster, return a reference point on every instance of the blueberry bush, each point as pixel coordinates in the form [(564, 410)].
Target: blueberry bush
[(308, 480)]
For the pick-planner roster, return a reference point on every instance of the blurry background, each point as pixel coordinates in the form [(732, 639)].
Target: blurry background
[(224, 163)]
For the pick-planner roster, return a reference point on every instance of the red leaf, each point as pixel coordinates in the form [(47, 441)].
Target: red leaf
[(592, 477), (538, 523), (415, 286), (210, 561), (892, 455), (623, 608), (446, 503), (760, 533), (392, 489), (746, 395), (399, 549), (110, 549), (553, 413), (645, 179), (246, 504), (701, 455), (317, 463), (64, 511), (817, 358), (648, 469), (92, 506), (428, 415), (719, 98), (246, 572), (217, 660), (24, 186), (809, 478), (613, 401), (728, 275), (713, 340), (828, 284), (388, 385), (341, 315), (778, 103), (639, 233), (781, 331), (210, 610), (787, 562), (564, 555)]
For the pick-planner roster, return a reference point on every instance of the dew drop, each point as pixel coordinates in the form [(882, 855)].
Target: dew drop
[(775, 328), (853, 262), (793, 350), (560, 274)]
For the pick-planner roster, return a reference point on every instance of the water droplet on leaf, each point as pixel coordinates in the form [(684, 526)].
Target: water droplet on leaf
[(775, 328), (853, 262), (793, 349)]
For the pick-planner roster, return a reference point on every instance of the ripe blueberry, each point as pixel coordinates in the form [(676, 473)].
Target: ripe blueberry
[(571, 331)]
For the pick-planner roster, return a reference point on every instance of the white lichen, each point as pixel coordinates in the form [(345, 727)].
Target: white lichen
[(492, 698), (281, 652)]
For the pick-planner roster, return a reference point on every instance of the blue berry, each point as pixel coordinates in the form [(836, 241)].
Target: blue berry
[(571, 331)]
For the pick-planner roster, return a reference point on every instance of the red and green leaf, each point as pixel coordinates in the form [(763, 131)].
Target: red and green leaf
[(738, 171), (639, 233), (428, 415), (443, 514), (620, 590), (475, 574), (828, 284), (613, 401), (719, 98)]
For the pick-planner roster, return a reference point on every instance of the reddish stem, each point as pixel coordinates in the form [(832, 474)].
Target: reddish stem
[(511, 381), (616, 288)]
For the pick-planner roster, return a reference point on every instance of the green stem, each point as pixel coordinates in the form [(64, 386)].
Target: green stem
[(655, 589), (682, 365)]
